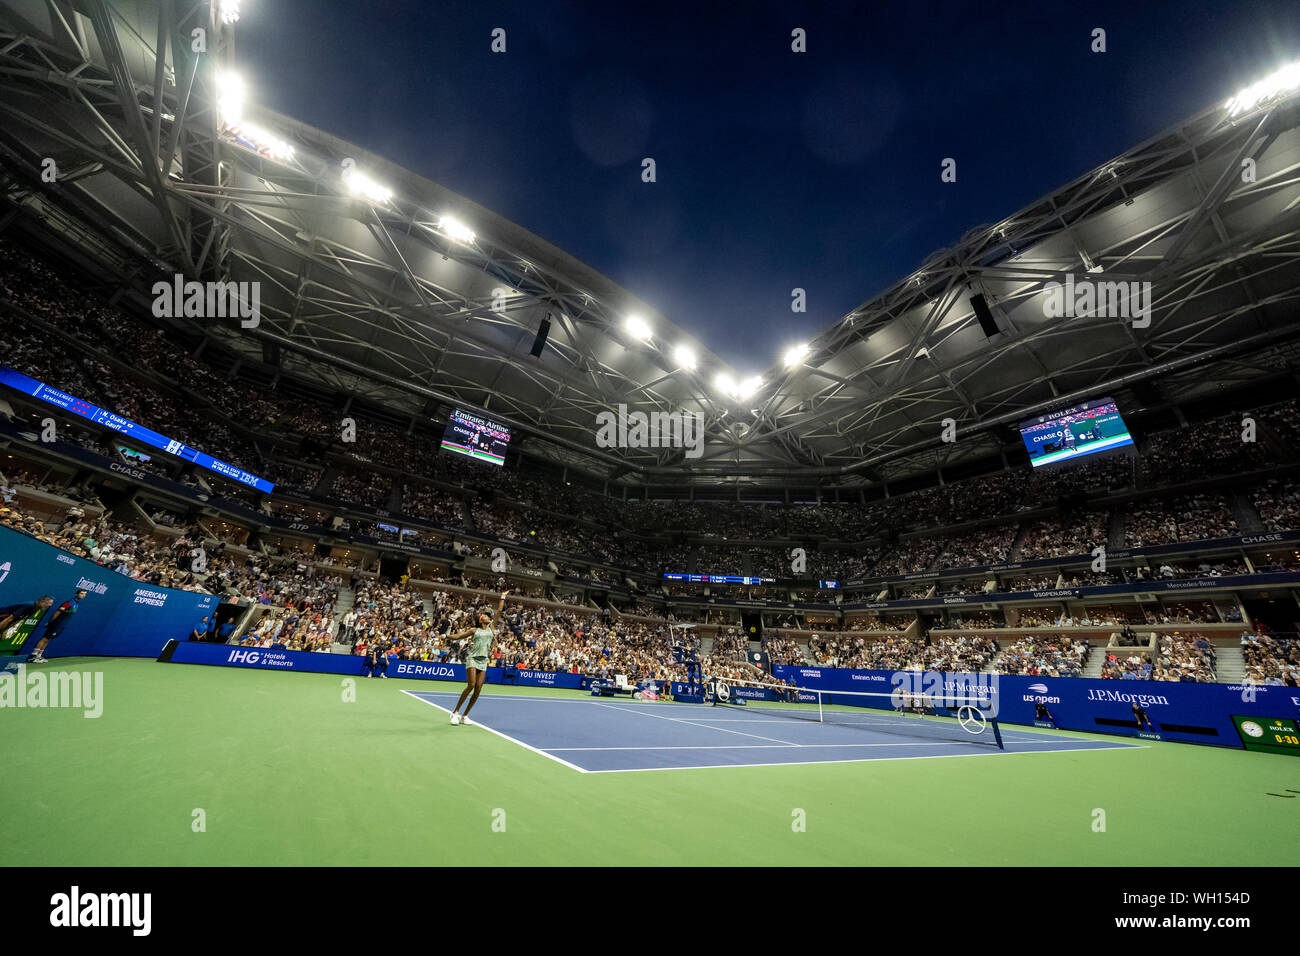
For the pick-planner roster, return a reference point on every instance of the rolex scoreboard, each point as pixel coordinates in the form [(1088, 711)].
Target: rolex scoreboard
[(1279, 736)]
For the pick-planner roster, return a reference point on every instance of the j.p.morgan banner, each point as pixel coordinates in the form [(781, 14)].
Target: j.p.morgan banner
[(1192, 713)]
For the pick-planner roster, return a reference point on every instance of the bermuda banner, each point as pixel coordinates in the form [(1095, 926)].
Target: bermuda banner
[(266, 658), (1190, 713), (117, 617)]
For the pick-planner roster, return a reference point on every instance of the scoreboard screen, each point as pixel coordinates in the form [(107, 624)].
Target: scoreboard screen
[(715, 578), (1074, 432), (1275, 735), (127, 428), (476, 437)]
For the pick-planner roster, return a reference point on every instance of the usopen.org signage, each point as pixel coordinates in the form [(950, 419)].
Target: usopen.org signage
[(1189, 713)]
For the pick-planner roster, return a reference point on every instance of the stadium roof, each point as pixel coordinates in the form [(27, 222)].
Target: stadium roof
[(382, 296)]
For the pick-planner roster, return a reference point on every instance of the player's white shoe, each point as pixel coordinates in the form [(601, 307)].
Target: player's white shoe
[(466, 721), (455, 718)]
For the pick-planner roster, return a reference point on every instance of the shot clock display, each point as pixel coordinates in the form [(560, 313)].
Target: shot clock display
[(1275, 735)]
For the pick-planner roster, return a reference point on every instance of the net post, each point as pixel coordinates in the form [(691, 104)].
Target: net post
[(997, 732), (821, 717)]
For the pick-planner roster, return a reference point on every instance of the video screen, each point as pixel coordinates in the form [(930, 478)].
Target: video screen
[(1075, 432), (476, 437), (124, 426)]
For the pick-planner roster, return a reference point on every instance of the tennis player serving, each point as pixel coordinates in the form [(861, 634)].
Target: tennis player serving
[(476, 663)]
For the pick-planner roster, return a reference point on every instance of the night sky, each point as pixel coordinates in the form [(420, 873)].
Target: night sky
[(775, 169)]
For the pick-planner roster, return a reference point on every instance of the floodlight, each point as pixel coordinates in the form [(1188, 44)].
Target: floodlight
[(363, 185), (230, 98), (1279, 83), (637, 328), (456, 230)]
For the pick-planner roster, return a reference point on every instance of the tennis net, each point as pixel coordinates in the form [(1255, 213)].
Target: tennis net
[(934, 716)]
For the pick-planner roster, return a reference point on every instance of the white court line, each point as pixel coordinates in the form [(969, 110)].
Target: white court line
[(868, 724), (571, 766), (612, 701), (807, 763), (1091, 745), (872, 720), (917, 743), (886, 717), (723, 730), (750, 720)]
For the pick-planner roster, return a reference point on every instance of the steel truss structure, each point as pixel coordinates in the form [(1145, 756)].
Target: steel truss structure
[(380, 298)]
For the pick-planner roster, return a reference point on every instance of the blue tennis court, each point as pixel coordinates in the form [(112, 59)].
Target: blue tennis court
[(602, 735)]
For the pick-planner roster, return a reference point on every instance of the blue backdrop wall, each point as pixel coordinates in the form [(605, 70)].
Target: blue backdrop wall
[(118, 617), (1194, 713)]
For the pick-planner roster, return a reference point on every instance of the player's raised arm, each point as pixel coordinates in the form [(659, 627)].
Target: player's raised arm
[(501, 606)]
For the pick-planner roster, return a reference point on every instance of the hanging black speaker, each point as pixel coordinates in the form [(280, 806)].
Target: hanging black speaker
[(982, 312), (539, 343)]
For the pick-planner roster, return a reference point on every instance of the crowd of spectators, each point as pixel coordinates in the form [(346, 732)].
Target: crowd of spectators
[(1201, 450), (55, 332), (782, 648), (1079, 532), (966, 654), (1133, 666), (1278, 504), (1189, 658), (1272, 659), (1180, 518), (1049, 655)]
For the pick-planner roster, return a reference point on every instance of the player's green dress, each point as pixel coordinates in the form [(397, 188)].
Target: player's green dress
[(480, 649)]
